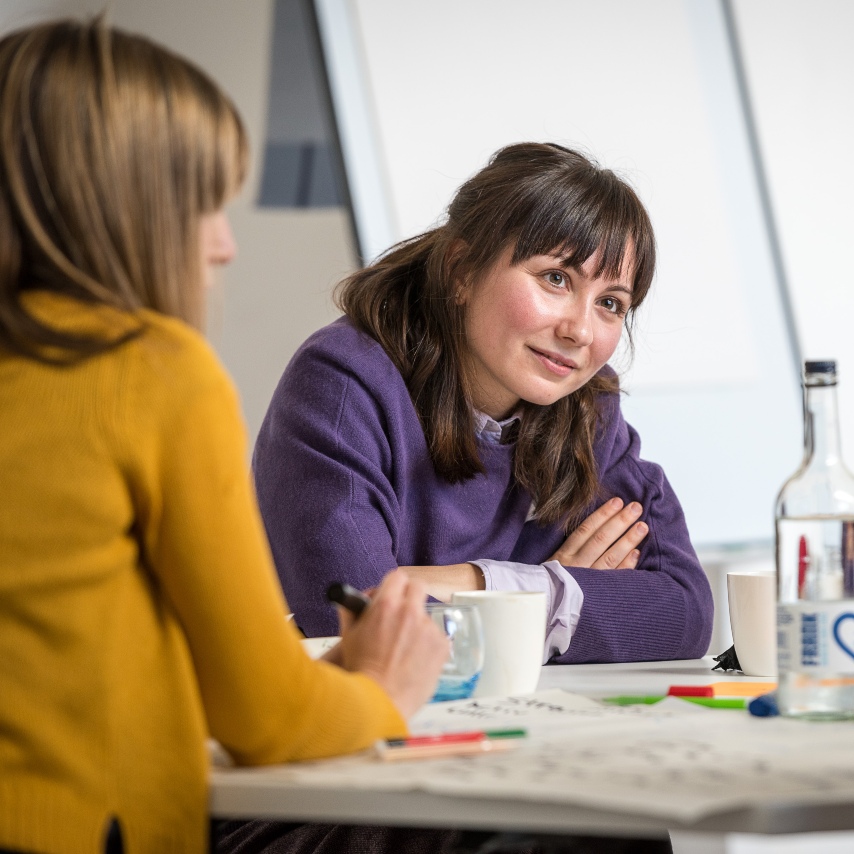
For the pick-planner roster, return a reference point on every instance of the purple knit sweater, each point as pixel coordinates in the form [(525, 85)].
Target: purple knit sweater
[(348, 492)]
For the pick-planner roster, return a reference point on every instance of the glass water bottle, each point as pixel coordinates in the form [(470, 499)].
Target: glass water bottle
[(815, 565)]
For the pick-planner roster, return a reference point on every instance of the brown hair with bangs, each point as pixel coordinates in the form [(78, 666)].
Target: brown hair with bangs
[(541, 199), (111, 150)]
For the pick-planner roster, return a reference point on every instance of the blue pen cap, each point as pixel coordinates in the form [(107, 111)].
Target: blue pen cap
[(764, 706)]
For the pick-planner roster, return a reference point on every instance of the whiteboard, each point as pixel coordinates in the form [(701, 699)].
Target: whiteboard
[(424, 93)]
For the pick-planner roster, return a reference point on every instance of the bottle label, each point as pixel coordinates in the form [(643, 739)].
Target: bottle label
[(816, 637)]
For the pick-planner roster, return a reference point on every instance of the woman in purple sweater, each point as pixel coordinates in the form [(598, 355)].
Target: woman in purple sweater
[(460, 420)]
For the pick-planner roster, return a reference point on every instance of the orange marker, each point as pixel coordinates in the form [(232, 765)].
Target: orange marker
[(743, 689)]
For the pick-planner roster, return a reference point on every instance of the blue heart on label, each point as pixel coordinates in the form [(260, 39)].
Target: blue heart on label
[(847, 646)]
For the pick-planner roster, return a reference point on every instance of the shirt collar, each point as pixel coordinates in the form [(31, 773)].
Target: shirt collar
[(487, 428)]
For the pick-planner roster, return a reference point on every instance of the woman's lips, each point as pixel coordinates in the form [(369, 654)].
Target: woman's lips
[(554, 363)]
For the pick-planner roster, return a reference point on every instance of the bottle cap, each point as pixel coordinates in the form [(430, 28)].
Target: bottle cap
[(828, 366), (821, 373)]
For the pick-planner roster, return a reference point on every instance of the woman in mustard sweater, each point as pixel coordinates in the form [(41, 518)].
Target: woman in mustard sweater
[(139, 610)]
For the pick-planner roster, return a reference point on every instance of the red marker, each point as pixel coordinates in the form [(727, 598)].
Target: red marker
[(455, 737), (691, 691), (803, 566), (447, 744), (448, 738)]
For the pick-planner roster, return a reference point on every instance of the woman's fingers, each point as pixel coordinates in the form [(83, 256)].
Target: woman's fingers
[(631, 560), (624, 553), (345, 619), (568, 553), (582, 535), (606, 538), (396, 643)]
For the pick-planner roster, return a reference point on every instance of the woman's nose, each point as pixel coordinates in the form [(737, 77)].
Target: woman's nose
[(576, 325), (221, 246)]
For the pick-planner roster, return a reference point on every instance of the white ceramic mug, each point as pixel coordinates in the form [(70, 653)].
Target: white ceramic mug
[(752, 600), (514, 632)]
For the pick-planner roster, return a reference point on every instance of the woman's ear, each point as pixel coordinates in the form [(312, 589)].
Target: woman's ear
[(460, 293), (455, 270)]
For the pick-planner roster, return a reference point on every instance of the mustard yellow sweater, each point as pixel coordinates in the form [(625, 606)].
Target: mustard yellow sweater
[(139, 611)]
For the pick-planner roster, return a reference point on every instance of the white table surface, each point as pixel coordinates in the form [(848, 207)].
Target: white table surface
[(257, 793), (638, 678)]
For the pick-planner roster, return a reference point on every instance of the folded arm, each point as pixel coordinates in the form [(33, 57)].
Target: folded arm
[(663, 609)]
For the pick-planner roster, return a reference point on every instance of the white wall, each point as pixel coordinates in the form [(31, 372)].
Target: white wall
[(277, 291), (800, 68)]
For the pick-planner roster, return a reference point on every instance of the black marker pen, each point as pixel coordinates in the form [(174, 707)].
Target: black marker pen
[(343, 594)]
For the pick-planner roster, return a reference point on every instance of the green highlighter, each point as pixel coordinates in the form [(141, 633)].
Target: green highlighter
[(711, 702)]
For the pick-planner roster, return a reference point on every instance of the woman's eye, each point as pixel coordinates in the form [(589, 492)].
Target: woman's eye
[(556, 279), (612, 305)]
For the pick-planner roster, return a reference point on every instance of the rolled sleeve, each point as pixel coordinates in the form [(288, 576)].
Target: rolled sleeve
[(564, 596)]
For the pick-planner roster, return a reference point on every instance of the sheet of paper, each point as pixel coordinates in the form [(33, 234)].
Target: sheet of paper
[(539, 713), (675, 759)]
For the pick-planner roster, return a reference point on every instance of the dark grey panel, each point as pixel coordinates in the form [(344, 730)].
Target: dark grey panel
[(299, 168), (299, 175)]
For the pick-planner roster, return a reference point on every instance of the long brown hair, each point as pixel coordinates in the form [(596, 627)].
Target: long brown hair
[(111, 150), (540, 199)]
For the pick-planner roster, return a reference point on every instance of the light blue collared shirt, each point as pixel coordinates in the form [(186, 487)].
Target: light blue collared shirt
[(486, 427)]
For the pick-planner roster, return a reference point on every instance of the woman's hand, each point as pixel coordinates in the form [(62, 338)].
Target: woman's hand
[(606, 539), (395, 642)]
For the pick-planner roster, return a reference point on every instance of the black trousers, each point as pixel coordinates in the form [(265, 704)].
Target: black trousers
[(269, 837), (112, 842)]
